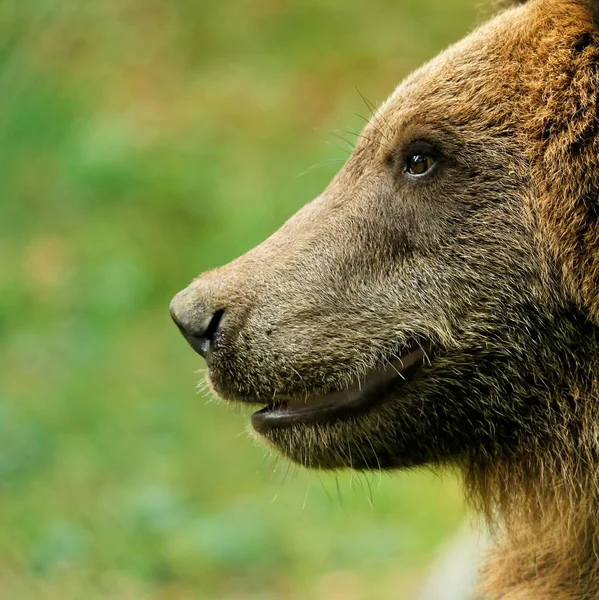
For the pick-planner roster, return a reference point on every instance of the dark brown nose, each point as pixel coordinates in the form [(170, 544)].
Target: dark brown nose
[(198, 322)]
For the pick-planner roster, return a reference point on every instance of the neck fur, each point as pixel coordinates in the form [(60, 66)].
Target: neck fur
[(543, 508)]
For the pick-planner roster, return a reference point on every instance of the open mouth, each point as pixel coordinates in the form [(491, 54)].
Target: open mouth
[(317, 408)]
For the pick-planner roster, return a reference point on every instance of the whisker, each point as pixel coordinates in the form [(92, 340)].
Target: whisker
[(345, 150), (362, 136), (426, 356), (370, 123), (340, 137), (369, 485), (378, 462), (393, 367), (286, 473), (324, 487), (308, 486), (276, 464), (320, 164), (375, 113), (303, 383), (339, 494)]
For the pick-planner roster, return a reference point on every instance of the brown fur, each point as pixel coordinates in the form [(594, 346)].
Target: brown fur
[(494, 261), (547, 500)]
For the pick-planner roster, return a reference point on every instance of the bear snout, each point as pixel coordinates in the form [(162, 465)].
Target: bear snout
[(197, 319)]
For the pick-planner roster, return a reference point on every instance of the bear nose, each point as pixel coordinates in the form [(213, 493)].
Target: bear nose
[(197, 321)]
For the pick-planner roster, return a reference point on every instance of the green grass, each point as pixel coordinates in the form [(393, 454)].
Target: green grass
[(141, 143)]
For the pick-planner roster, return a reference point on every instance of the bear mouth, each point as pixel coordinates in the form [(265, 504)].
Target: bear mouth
[(351, 401)]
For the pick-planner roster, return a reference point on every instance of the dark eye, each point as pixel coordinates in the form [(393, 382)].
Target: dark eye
[(419, 164)]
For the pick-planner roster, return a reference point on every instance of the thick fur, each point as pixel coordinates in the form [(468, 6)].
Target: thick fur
[(493, 259)]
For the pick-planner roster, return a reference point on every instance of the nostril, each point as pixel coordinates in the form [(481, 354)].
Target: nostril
[(214, 324), (197, 320), (204, 343), (198, 328)]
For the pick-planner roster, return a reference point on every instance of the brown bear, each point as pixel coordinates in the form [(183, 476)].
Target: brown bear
[(438, 303)]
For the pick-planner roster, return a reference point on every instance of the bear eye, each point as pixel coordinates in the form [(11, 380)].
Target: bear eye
[(419, 164)]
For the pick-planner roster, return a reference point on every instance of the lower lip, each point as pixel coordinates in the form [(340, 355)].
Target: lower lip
[(357, 399)]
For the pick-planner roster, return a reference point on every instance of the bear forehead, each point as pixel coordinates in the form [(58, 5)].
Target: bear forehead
[(492, 73)]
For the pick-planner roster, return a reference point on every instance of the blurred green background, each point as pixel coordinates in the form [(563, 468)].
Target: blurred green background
[(142, 142)]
